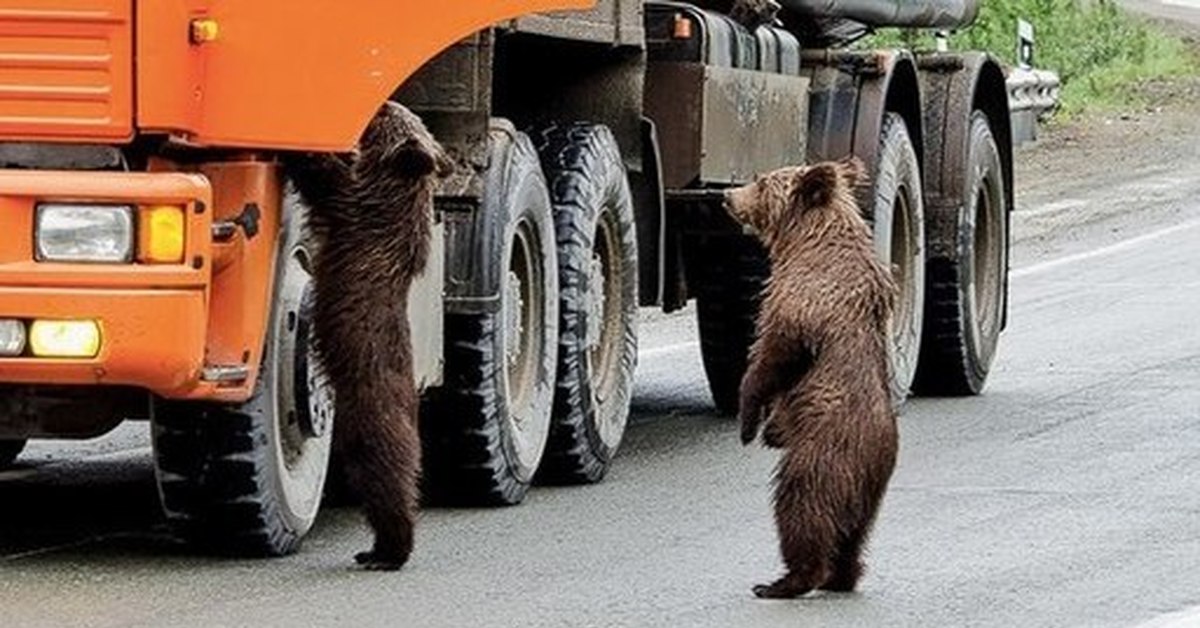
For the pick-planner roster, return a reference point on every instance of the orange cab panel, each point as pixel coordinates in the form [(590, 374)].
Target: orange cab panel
[(152, 319), (152, 339), (66, 70), (293, 73)]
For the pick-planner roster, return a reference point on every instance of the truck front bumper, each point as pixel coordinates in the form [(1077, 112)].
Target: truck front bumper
[(152, 318)]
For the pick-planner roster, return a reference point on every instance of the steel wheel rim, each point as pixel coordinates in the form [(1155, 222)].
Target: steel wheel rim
[(297, 449), (523, 314), (606, 286), (903, 271), (987, 266)]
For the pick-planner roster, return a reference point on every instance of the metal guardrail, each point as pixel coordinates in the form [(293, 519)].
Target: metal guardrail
[(1030, 89), (1032, 95)]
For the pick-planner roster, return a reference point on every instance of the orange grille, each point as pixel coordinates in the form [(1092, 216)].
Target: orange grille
[(66, 70)]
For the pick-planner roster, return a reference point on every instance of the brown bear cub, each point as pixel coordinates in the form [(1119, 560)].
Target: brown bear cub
[(817, 380), (369, 216)]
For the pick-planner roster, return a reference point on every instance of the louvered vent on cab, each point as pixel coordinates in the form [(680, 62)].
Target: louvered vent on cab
[(66, 70)]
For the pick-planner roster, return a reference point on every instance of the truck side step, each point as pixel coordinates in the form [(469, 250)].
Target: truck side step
[(225, 373)]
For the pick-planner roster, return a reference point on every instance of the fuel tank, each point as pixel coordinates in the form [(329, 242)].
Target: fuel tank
[(907, 13)]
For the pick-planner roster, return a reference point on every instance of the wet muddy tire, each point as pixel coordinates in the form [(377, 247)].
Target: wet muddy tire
[(598, 300), (246, 479), (485, 429), (964, 298), (728, 290), (9, 450), (898, 221)]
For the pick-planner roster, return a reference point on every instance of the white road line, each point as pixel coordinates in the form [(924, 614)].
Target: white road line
[(1187, 618), (672, 348), (1017, 272), (1052, 208), (1194, 4), (1104, 250)]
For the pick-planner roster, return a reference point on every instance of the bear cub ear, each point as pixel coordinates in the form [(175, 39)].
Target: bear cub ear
[(815, 186), (415, 159)]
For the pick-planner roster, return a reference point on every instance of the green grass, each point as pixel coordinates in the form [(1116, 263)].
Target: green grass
[(1100, 52)]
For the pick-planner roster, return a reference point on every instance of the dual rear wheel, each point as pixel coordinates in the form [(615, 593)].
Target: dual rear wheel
[(539, 388)]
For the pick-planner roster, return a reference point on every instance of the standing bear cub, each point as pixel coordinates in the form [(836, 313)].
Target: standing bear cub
[(817, 380), (369, 216)]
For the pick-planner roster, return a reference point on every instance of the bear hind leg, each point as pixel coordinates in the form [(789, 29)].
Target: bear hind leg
[(793, 584), (806, 538), (385, 475), (848, 564), (389, 504)]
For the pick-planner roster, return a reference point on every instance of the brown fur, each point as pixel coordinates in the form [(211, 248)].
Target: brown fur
[(818, 371), (750, 13), (369, 216), (754, 13)]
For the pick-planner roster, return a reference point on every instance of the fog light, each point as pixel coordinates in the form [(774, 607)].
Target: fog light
[(84, 233), (12, 337), (160, 234), (64, 339)]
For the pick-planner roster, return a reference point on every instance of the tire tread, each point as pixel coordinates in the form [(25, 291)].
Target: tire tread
[(580, 160), (213, 478)]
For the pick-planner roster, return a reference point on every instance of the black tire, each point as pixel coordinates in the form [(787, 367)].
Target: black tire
[(728, 289), (9, 450), (486, 427), (597, 300), (964, 298), (246, 479), (898, 220)]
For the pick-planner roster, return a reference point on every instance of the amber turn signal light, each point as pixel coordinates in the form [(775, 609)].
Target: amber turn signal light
[(161, 234)]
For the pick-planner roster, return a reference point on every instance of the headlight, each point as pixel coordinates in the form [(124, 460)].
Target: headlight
[(64, 339), (12, 337), (84, 233)]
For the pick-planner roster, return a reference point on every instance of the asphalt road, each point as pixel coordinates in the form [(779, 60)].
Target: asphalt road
[(1064, 496)]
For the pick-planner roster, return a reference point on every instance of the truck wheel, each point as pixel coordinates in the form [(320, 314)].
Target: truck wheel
[(9, 450), (246, 479), (597, 300), (486, 428), (728, 292), (898, 220), (965, 295)]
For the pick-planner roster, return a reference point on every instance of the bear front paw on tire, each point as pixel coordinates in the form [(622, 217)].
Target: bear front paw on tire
[(598, 300)]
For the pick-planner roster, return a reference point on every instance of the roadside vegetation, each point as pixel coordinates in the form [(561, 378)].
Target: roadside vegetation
[(1103, 54)]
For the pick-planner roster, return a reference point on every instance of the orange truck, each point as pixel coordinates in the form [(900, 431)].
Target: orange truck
[(153, 262)]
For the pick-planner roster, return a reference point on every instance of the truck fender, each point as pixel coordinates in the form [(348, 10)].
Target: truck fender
[(475, 233), (955, 85), (284, 74), (849, 95)]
